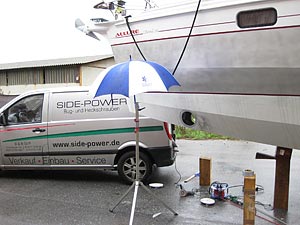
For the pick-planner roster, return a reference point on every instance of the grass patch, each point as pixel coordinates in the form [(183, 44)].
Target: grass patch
[(187, 133)]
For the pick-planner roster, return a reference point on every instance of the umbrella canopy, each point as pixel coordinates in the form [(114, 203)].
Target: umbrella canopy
[(129, 79), (133, 77)]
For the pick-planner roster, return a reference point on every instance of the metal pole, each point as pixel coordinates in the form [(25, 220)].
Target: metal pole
[(137, 150), (137, 181), (137, 162), (134, 202)]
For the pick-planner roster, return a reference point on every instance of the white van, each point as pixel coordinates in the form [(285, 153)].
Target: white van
[(69, 129)]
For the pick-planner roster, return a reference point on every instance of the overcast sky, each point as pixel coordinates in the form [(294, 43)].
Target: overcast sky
[(44, 29)]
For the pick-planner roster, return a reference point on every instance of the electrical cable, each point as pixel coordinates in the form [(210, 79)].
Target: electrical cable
[(236, 202), (272, 217), (234, 186), (128, 25), (175, 165), (267, 207), (258, 188), (185, 45), (188, 38), (141, 53)]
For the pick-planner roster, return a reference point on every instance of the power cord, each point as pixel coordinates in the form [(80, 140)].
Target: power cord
[(177, 171), (185, 45), (258, 188), (267, 207), (188, 38), (128, 26)]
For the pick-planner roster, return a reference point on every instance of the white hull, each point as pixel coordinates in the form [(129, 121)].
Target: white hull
[(253, 73), (266, 119)]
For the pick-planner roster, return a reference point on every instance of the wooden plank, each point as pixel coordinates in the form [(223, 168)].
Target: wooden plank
[(282, 178), (205, 171), (249, 199), (264, 156)]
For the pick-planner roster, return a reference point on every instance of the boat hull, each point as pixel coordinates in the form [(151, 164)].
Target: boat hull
[(266, 119), (239, 82), (220, 56)]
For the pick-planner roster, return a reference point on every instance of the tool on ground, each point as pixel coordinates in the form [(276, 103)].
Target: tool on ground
[(184, 193), (192, 177), (218, 190)]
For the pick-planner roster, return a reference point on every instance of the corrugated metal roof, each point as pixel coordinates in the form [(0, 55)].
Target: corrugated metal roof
[(54, 62)]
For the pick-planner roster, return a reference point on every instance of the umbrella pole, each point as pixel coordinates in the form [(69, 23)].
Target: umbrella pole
[(137, 162), (137, 181), (137, 141)]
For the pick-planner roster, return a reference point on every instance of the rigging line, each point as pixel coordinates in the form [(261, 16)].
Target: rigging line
[(128, 25), (188, 38)]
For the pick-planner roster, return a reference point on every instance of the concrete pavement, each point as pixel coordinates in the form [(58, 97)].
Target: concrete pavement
[(84, 197)]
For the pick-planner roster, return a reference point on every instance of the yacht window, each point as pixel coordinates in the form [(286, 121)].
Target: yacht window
[(257, 18)]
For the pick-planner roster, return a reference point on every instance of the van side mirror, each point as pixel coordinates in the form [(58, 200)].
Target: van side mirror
[(3, 121)]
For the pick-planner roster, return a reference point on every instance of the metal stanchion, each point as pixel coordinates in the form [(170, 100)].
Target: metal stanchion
[(137, 183)]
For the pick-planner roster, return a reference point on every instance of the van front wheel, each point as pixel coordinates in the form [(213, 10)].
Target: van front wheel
[(127, 167)]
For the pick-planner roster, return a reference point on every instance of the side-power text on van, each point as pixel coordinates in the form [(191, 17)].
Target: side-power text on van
[(69, 129)]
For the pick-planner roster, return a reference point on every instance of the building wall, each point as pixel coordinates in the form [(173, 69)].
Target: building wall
[(15, 82), (90, 71), (19, 89)]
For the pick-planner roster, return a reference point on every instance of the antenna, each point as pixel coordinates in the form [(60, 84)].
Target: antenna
[(150, 4)]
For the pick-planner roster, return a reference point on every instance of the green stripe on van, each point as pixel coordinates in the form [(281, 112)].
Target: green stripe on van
[(88, 133)]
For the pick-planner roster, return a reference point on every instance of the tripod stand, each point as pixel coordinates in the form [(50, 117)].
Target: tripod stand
[(137, 181)]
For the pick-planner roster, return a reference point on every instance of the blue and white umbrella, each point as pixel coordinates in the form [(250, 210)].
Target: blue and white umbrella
[(133, 77), (128, 79)]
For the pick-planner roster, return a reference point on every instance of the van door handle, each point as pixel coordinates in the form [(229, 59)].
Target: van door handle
[(38, 130)]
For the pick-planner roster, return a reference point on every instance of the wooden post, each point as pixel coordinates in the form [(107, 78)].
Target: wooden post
[(282, 178), (205, 171), (249, 197)]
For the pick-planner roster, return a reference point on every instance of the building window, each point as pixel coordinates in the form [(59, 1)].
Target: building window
[(61, 75), (257, 18), (3, 78), (46, 75), (24, 77)]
